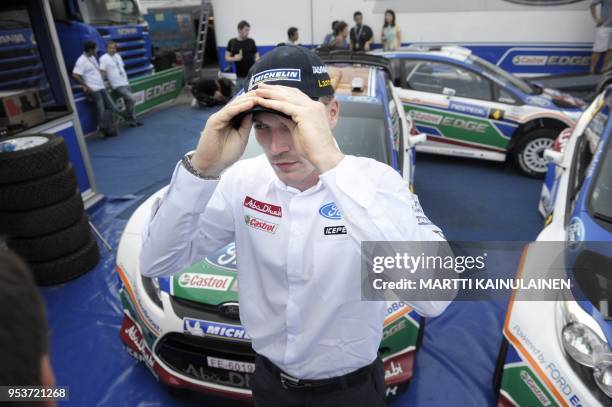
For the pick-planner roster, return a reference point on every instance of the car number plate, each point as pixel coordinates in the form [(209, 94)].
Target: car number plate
[(233, 365)]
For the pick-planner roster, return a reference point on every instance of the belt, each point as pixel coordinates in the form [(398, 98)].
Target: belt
[(289, 382)]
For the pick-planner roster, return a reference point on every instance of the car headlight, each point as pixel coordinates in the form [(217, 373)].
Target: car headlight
[(151, 286), (581, 343), (602, 372)]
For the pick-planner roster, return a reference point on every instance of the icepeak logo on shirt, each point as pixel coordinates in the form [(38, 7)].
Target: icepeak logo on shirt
[(330, 211), (263, 207), (283, 74), (260, 224)]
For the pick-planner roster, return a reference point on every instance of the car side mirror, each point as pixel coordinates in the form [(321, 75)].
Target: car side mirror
[(418, 139), (448, 92), (553, 157)]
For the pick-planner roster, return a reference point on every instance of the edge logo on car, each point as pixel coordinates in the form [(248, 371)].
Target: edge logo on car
[(260, 224), (330, 211), (205, 281), (199, 327), (268, 209)]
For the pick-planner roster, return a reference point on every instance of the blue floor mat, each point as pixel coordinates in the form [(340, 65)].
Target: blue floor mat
[(468, 199)]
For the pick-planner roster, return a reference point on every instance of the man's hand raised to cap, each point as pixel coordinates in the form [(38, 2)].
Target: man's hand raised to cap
[(220, 144), (312, 135)]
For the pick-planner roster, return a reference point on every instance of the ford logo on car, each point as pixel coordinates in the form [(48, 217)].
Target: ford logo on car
[(330, 211)]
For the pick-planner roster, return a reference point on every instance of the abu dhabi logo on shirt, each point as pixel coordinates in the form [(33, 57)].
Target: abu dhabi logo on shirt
[(263, 207), (260, 224), (330, 211), (282, 74)]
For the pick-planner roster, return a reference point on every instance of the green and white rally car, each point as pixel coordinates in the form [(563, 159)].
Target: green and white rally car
[(186, 328), (472, 108)]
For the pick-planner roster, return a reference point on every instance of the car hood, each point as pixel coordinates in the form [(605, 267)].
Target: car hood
[(553, 98), (211, 281)]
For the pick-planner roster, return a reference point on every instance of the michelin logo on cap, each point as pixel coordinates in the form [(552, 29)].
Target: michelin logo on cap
[(283, 74)]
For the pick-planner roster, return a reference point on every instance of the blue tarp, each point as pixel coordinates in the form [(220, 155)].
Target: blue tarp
[(468, 199)]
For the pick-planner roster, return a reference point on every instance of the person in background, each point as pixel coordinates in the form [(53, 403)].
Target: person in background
[(603, 33), (361, 35), (242, 51), (391, 35), (340, 40), (24, 337), (212, 92), (329, 38), (292, 36), (112, 66), (87, 73)]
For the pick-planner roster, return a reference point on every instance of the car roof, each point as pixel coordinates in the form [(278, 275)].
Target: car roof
[(342, 76), (446, 51)]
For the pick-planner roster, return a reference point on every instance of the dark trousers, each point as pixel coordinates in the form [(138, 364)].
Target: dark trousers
[(103, 104), (268, 391), (128, 98)]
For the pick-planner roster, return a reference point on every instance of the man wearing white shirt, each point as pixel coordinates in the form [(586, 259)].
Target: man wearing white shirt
[(300, 301), (112, 66), (87, 73)]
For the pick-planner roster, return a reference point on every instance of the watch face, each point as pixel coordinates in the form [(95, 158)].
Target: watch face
[(543, 2)]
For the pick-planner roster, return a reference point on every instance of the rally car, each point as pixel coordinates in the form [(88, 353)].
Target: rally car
[(470, 107), (559, 353), (186, 328)]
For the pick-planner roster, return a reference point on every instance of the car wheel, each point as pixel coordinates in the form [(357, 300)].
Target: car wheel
[(528, 153), (42, 220), (29, 157), (39, 192), (53, 245), (68, 267)]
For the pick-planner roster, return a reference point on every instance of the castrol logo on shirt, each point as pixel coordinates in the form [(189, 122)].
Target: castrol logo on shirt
[(205, 281), (260, 224), (268, 209)]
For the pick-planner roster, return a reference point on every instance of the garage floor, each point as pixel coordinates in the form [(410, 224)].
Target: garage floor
[(468, 199)]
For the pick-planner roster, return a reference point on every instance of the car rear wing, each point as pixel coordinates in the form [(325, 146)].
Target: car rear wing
[(349, 57)]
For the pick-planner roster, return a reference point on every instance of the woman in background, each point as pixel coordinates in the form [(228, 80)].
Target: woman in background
[(391, 36)]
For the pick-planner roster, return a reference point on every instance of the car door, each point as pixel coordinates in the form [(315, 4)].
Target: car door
[(461, 111)]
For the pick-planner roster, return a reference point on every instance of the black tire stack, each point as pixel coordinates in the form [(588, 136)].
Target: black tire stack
[(41, 211)]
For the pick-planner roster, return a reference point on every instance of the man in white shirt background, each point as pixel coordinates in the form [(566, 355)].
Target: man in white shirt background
[(87, 73), (300, 302), (112, 66)]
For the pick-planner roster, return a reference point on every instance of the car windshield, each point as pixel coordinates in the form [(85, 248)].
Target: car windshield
[(110, 11), (497, 72), (360, 132), (601, 194)]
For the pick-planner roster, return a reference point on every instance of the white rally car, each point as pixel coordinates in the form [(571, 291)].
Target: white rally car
[(469, 107), (186, 328)]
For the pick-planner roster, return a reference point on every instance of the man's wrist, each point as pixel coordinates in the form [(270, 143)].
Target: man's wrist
[(327, 161), (198, 170)]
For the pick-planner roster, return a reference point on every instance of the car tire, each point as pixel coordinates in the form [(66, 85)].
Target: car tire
[(53, 245), (68, 267), (528, 153), (45, 155), (43, 220), (39, 192)]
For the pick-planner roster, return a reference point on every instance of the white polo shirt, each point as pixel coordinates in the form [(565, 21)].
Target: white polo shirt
[(115, 69), (300, 283), (89, 70)]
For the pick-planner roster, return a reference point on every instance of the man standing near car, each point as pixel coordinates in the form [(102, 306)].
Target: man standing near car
[(361, 35), (112, 66), (242, 51), (316, 341), (603, 33), (87, 73)]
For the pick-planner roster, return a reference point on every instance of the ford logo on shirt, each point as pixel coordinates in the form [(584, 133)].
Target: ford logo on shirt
[(330, 211)]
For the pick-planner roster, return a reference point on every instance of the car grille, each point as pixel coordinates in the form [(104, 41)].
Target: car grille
[(192, 309), (186, 354)]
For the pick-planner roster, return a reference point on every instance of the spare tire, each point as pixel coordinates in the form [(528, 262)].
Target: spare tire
[(68, 267), (41, 221), (33, 156), (39, 192), (53, 245)]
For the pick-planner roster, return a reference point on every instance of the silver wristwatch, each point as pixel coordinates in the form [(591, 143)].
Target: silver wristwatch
[(189, 167)]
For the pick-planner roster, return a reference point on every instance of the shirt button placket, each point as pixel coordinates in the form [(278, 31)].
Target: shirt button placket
[(294, 279)]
